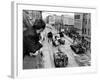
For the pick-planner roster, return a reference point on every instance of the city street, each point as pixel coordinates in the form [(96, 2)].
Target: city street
[(49, 50), (61, 39)]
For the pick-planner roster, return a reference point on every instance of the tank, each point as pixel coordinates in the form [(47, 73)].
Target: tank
[(60, 59)]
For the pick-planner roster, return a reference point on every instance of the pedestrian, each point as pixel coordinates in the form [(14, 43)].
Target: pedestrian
[(31, 38), (61, 34), (50, 36)]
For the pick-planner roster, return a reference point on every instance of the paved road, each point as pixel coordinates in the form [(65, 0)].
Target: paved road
[(49, 50), (47, 55), (68, 51)]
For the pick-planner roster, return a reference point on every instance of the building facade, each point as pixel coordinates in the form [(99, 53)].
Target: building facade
[(68, 21), (60, 21), (51, 19), (86, 31), (83, 22), (78, 22), (87, 24)]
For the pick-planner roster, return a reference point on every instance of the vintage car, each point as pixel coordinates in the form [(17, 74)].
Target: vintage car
[(78, 49), (55, 43), (61, 41), (60, 59), (61, 34)]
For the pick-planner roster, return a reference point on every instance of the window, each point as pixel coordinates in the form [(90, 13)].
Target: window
[(88, 31), (77, 16), (85, 30)]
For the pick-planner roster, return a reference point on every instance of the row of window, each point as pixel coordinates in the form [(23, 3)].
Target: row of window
[(86, 31)]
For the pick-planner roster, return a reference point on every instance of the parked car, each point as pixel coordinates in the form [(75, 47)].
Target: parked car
[(61, 34), (55, 43), (60, 59), (78, 49), (61, 41)]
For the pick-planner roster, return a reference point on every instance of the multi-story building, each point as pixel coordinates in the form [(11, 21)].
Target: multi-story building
[(83, 22), (54, 20), (51, 19), (67, 21), (86, 30), (60, 22), (78, 22), (86, 25)]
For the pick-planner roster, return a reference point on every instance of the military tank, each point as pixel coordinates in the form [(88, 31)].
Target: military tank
[(60, 59)]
